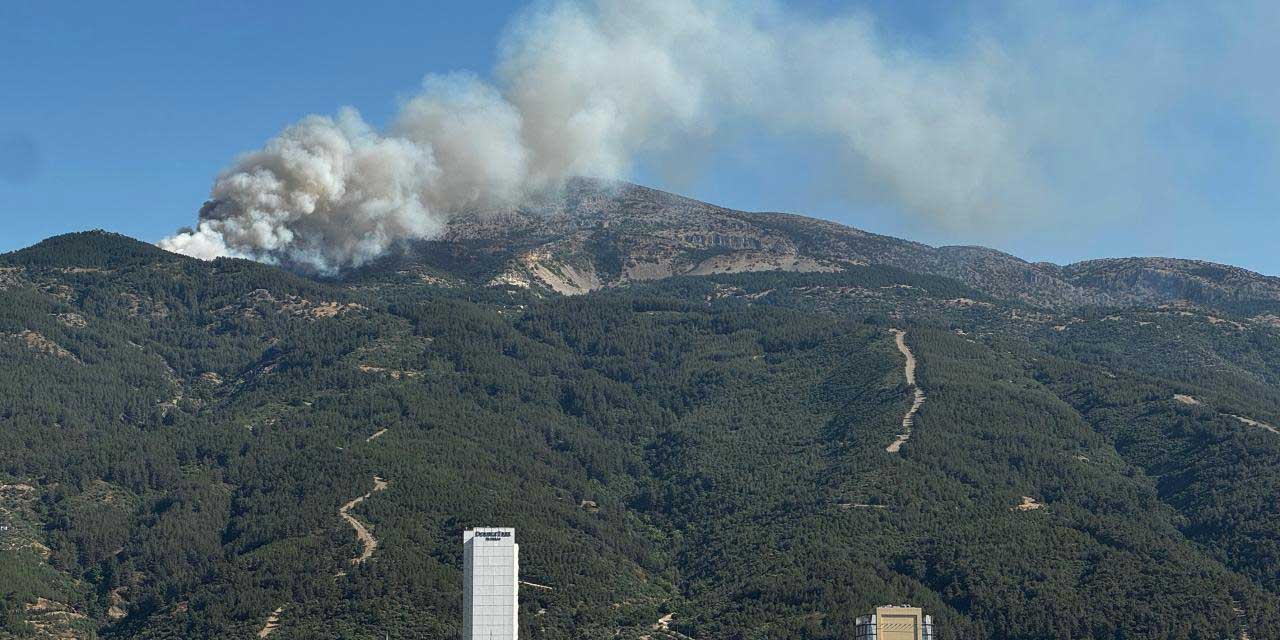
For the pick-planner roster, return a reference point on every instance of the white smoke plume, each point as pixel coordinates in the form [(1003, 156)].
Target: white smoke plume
[(588, 87), (324, 193)]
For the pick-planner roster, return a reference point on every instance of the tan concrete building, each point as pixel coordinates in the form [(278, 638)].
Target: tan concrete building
[(892, 622)]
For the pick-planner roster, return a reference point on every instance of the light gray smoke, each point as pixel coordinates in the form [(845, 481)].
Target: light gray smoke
[(325, 193), (586, 87)]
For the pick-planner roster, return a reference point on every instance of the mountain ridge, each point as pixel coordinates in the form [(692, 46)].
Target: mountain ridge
[(564, 243), (599, 234)]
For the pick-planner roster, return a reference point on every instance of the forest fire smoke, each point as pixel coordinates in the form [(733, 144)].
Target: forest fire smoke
[(591, 87)]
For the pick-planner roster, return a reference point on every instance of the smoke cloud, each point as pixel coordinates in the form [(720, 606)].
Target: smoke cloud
[(589, 87), (324, 193)]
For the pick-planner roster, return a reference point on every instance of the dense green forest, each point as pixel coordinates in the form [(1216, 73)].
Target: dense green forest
[(177, 437)]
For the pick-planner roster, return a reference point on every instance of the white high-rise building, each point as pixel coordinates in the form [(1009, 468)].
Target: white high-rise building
[(490, 584)]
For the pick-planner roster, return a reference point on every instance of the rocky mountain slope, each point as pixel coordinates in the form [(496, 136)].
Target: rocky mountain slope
[(598, 234)]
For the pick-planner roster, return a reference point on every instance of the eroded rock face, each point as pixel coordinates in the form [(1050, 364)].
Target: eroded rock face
[(291, 305), (601, 235), (554, 270), (1144, 280), (11, 277), (38, 343), (73, 320)]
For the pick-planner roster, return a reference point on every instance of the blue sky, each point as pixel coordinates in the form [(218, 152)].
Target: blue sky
[(119, 116)]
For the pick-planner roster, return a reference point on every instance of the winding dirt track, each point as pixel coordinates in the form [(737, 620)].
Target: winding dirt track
[(370, 543), (1188, 400), (1240, 617), (1254, 423), (908, 370), (662, 628), (273, 621)]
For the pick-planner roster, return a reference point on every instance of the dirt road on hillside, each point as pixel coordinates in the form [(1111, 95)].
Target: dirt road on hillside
[(273, 622), (909, 371), (370, 543)]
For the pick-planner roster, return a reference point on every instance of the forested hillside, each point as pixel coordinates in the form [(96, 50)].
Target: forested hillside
[(177, 438)]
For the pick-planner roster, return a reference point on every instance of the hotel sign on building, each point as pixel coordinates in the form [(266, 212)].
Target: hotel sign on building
[(490, 584)]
